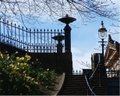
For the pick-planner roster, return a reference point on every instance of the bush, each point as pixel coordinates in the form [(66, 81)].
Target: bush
[(19, 77)]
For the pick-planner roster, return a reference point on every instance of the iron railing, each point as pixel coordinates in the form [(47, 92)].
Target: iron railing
[(93, 73), (27, 39), (89, 87), (77, 72), (113, 73)]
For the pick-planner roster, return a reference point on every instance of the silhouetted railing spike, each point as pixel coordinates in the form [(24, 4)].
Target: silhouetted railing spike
[(44, 30), (18, 26), (3, 20), (40, 30), (22, 28), (15, 24), (51, 30), (37, 30), (11, 24), (26, 29)]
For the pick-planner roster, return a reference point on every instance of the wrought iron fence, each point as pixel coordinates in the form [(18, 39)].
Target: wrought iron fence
[(38, 41)]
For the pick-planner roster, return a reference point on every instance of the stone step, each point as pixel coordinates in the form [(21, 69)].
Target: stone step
[(74, 85), (75, 93)]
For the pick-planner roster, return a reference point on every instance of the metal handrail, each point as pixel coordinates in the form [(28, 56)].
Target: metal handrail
[(94, 71), (96, 67), (89, 86)]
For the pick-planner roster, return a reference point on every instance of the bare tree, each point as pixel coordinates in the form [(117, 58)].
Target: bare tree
[(85, 64), (52, 8)]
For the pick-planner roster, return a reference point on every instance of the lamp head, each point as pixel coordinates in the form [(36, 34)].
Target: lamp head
[(102, 31)]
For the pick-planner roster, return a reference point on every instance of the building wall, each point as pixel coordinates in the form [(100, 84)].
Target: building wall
[(112, 55)]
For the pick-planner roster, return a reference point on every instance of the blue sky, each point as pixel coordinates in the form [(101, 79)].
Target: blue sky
[(85, 40), (84, 37)]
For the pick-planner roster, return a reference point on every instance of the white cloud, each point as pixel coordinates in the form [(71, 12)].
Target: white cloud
[(81, 60)]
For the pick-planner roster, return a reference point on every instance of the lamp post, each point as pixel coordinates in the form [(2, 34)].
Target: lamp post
[(102, 33), (101, 73)]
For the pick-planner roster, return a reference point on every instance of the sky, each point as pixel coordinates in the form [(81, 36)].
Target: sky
[(85, 41), (84, 36)]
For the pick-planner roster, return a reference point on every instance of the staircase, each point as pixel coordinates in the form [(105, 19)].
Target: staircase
[(74, 85)]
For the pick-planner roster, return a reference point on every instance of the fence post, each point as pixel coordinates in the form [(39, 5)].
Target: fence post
[(67, 20)]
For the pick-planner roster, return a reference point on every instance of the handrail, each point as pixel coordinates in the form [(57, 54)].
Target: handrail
[(96, 66), (89, 86), (94, 72)]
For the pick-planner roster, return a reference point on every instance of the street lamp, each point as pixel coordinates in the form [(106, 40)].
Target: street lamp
[(102, 32)]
